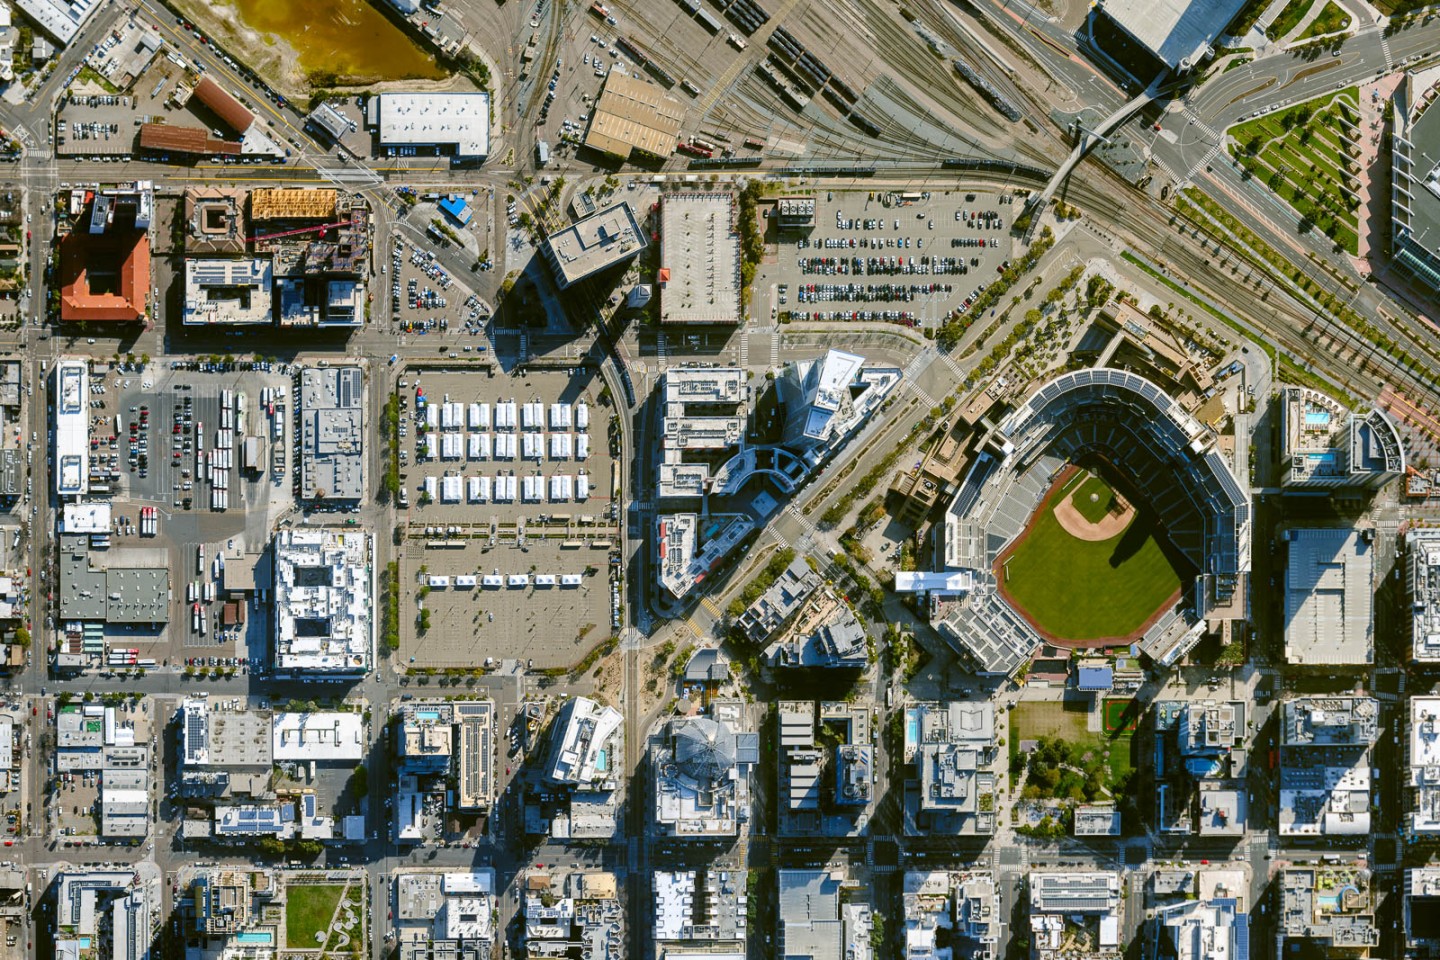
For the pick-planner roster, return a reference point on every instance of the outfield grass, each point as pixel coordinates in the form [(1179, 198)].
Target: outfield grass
[(309, 908), (1078, 590), (1093, 510)]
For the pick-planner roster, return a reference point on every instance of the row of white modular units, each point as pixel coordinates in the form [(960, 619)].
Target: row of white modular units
[(561, 488), (531, 416), (467, 581), (505, 446)]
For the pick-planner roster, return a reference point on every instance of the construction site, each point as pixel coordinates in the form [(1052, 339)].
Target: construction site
[(307, 249)]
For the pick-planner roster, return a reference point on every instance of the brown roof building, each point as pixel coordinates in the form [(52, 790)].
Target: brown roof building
[(169, 139), (231, 111), (104, 276), (634, 115)]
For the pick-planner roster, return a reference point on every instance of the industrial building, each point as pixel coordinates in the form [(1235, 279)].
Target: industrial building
[(106, 913), (324, 603), (952, 757), (699, 259), (116, 594), (600, 241), (705, 907), (817, 922), (332, 434), (703, 427), (71, 423), (1326, 447), (951, 914), (701, 766), (688, 549), (1174, 35), (1329, 598), (329, 121), (1064, 906), (229, 292), (1422, 770), (92, 738), (1330, 909), (1200, 764), (166, 138), (634, 116), (825, 785), (1325, 784), (451, 915), (581, 915), (319, 737), (254, 141), (454, 125), (795, 213)]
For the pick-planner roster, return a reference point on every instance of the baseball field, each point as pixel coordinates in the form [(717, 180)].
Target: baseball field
[(1080, 590)]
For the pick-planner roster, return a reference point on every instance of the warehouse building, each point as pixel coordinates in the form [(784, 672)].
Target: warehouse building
[(634, 116), (454, 125)]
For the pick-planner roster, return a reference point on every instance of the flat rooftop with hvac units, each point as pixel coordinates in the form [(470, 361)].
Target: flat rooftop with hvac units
[(600, 241), (634, 116), (454, 125), (324, 603), (699, 259)]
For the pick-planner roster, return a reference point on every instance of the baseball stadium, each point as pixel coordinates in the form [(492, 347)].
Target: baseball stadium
[(1097, 513)]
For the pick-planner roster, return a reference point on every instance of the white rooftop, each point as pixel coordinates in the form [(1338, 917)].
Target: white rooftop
[(461, 120)]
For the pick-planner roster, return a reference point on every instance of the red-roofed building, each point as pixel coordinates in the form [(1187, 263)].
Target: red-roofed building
[(104, 277), (231, 111)]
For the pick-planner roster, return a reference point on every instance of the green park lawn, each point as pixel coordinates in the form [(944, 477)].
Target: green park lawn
[(309, 908)]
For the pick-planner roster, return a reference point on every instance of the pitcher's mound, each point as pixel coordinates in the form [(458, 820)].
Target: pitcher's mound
[(1093, 512)]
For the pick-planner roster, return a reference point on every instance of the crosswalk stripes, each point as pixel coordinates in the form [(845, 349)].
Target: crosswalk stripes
[(929, 400), (775, 350), (801, 519), (660, 348), (954, 367), (1385, 49), (744, 348), (695, 629), (710, 605), (1205, 160)]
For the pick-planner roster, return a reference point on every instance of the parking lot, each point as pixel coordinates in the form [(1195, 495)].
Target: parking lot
[(908, 259), (426, 299), (144, 430), (509, 477), (513, 445)]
